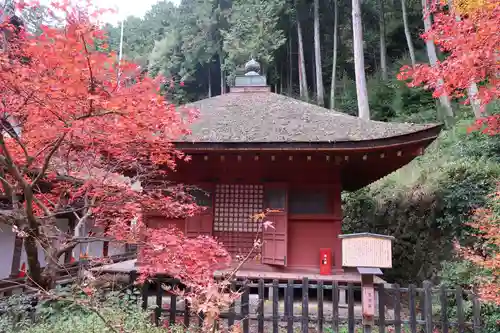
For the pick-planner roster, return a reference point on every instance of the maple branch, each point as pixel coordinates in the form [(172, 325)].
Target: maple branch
[(10, 216), (10, 130), (49, 156), (41, 205), (79, 240), (92, 82), (88, 213), (7, 187), (99, 114), (11, 165)]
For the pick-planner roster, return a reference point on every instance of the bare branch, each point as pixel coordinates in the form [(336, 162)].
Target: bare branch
[(49, 156), (7, 187), (70, 244), (7, 126), (13, 169)]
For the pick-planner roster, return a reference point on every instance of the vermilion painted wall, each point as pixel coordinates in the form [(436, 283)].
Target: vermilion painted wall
[(306, 237), (306, 233)]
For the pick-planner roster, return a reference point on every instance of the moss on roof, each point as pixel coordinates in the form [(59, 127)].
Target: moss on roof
[(267, 117)]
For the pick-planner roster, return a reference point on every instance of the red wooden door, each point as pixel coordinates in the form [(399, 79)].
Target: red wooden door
[(202, 223), (274, 240)]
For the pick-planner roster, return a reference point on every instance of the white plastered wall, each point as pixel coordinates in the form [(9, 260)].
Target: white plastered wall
[(7, 240)]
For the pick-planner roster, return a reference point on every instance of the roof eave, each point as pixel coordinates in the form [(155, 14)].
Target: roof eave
[(424, 136)]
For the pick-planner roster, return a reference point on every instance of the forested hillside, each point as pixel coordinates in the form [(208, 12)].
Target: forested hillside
[(201, 43)]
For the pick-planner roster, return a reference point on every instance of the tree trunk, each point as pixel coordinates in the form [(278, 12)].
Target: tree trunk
[(209, 81), (302, 68), (359, 61), (290, 60), (317, 57), (383, 47), (222, 79), (444, 100), (49, 274), (282, 75), (335, 46), (411, 49), (475, 102), (472, 90), (34, 269)]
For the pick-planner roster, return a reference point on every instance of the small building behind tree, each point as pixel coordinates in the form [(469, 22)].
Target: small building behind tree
[(254, 150)]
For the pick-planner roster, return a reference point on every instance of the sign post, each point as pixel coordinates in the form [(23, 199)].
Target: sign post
[(368, 253)]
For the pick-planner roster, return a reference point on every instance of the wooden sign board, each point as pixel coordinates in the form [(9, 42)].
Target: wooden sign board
[(366, 250), (368, 301)]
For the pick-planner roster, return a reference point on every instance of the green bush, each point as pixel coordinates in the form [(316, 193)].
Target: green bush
[(77, 313)]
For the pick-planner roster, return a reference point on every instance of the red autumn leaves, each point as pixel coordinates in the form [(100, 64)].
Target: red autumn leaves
[(471, 43)]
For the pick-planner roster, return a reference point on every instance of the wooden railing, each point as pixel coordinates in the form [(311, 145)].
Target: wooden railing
[(299, 306), (65, 275)]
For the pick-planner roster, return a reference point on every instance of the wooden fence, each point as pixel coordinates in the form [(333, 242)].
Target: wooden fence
[(314, 306)]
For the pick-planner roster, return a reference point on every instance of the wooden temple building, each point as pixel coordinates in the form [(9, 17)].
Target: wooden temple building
[(253, 149)]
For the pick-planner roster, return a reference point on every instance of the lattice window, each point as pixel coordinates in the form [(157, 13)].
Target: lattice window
[(235, 205)]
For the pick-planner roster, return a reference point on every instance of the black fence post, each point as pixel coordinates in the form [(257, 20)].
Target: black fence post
[(173, 307), (427, 310), (159, 301), (460, 309), (276, 306), (335, 305), (289, 306), (443, 297), (319, 287), (232, 312), (381, 307), (305, 305), (413, 310), (350, 308), (476, 311), (260, 310), (245, 307)]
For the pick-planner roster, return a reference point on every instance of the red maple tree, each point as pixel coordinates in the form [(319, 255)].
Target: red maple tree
[(471, 42), (75, 140), (486, 251)]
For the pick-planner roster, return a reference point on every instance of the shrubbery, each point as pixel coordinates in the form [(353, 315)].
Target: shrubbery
[(117, 312)]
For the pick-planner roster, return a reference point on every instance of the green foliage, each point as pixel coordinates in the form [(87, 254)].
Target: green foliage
[(458, 273), (253, 31), (425, 204), (139, 35), (76, 312)]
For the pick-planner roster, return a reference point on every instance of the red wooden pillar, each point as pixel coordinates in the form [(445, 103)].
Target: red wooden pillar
[(336, 208), (337, 248)]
